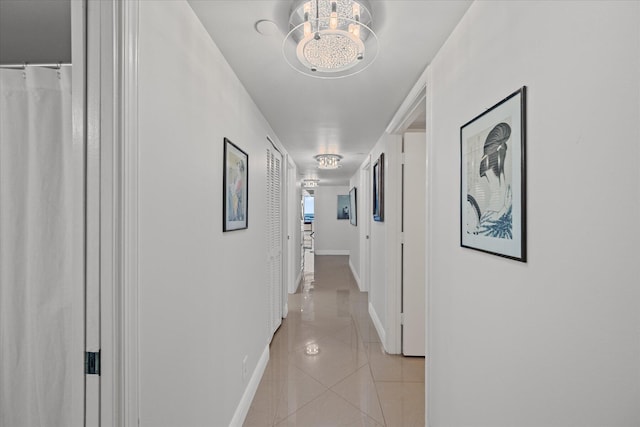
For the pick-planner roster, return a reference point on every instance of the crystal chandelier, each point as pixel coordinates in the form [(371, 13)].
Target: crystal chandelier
[(330, 38), (310, 183), (328, 161)]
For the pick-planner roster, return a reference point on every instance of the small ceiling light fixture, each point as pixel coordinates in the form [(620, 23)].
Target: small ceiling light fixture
[(330, 38), (310, 183), (328, 161)]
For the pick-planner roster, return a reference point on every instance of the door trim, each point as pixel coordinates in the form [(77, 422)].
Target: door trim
[(79, 108), (364, 201), (116, 28), (93, 383), (421, 92), (128, 21), (428, 249)]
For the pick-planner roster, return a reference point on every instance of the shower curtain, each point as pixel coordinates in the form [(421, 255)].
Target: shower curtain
[(41, 249)]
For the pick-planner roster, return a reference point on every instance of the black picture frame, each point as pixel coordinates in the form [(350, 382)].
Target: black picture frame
[(235, 188), (378, 189), (353, 209), (493, 179)]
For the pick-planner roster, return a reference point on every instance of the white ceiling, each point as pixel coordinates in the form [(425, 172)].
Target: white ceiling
[(345, 116), (35, 31)]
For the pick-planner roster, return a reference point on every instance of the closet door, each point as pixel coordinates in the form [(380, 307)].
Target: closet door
[(413, 265), (274, 233)]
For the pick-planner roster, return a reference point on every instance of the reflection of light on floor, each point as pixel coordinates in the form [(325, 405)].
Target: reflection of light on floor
[(312, 349), (307, 308)]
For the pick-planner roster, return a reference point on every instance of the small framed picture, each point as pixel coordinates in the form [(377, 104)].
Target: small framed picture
[(492, 181), (378, 189), (353, 206), (235, 188), (343, 207)]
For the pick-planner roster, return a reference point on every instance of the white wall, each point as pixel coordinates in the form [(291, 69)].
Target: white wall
[(203, 299), (331, 234), (378, 237), (555, 341), (383, 286)]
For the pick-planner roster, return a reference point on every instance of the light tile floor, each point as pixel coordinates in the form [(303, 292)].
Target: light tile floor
[(351, 381)]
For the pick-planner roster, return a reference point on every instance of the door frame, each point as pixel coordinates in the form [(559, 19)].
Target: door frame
[(79, 136), (406, 114), (293, 230), (409, 270), (364, 200), (92, 63), (112, 127)]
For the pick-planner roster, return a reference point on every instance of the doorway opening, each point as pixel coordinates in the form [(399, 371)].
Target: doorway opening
[(308, 217)]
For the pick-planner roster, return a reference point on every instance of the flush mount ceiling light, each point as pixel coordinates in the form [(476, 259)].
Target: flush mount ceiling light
[(310, 183), (328, 161), (330, 38)]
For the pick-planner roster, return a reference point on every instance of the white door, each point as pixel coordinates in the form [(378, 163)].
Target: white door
[(413, 265), (274, 237), (293, 227)]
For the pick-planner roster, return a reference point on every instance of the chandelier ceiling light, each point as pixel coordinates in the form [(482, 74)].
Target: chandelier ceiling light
[(328, 161), (330, 38), (310, 183)]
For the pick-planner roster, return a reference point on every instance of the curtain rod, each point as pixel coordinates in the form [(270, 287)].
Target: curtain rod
[(29, 64)]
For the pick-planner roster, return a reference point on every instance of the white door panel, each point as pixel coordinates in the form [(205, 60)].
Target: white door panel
[(414, 269)]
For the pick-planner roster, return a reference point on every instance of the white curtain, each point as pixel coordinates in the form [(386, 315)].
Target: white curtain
[(40, 253)]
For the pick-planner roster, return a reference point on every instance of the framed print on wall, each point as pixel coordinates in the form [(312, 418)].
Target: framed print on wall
[(343, 207), (353, 206), (492, 181), (235, 188), (378, 189)]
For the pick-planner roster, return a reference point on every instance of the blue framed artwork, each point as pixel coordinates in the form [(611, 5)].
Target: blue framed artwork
[(343, 207), (353, 206), (492, 181), (235, 188), (378, 189)]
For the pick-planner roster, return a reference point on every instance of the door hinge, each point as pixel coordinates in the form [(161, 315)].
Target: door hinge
[(402, 238), (403, 158), (402, 318), (92, 362)]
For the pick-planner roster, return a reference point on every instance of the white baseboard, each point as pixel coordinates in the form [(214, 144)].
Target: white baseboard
[(355, 275), (297, 283), (332, 252), (378, 324), (252, 386)]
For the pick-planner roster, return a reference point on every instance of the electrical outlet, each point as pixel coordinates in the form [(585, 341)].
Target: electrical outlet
[(244, 367)]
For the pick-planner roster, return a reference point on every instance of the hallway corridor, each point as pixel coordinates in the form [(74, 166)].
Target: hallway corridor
[(327, 366)]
